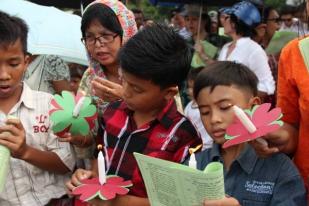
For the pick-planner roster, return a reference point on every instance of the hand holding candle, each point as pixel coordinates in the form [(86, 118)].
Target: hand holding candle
[(253, 124), (102, 187)]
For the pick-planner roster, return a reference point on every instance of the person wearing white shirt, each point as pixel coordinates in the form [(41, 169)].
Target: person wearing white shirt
[(239, 24), (192, 111)]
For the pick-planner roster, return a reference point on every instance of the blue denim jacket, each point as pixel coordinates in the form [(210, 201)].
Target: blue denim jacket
[(255, 181)]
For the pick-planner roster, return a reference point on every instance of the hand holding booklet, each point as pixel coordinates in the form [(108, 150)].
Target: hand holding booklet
[(169, 184)]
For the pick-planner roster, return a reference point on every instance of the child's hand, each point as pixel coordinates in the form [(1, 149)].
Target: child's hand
[(12, 135), (107, 90), (226, 201), (77, 140), (77, 177)]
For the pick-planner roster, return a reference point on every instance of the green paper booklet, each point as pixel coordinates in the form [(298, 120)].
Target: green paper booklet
[(279, 40), (170, 184), (209, 49), (304, 50)]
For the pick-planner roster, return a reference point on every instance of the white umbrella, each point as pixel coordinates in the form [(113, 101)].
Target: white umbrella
[(51, 31)]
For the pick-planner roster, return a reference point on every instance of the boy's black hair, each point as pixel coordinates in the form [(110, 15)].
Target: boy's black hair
[(225, 73), (242, 28), (157, 53), (105, 15), (137, 11), (287, 9), (11, 30), (194, 72)]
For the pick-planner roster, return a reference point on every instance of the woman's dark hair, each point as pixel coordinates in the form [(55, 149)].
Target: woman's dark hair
[(242, 28), (225, 73), (266, 13), (105, 15), (11, 30), (207, 20), (157, 53)]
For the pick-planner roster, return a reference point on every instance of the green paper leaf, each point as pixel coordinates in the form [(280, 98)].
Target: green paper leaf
[(66, 101), (209, 49), (61, 120), (279, 40), (228, 137), (87, 111), (304, 49), (79, 126)]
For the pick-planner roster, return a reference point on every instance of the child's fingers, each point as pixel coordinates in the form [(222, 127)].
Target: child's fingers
[(263, 150), (16, 122), (69, 187), (63, 139), (80, 175), (10, 128), (105, 82)]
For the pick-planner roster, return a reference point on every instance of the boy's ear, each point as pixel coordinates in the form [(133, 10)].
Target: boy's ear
[(170, 92), (27, 61), (255, 101)]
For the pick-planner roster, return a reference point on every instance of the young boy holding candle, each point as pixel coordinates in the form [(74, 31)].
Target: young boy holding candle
[(249, 180), (38, 161), (154, 62)]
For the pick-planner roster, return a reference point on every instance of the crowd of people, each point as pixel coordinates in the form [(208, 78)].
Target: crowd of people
[(137, 71)]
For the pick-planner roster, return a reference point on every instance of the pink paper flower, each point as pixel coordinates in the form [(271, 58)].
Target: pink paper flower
[(264, 120), (91, 188)]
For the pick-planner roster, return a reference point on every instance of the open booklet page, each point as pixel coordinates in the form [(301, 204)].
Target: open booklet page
[(170, 184)]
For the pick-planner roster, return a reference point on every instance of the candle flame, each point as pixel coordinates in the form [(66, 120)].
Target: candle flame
[(193, 150)]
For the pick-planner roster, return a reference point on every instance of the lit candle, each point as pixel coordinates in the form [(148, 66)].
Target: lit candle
[(244, 119), (78, 107), (101, 167), (192, 161)]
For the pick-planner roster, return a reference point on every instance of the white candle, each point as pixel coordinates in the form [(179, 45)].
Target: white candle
[(101, 168), (78, 107), (244, 119), (192, 161)]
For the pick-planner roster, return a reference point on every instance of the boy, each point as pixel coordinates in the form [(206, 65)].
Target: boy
[(154, 62), (248, 179), (39, 161), (192, 112)]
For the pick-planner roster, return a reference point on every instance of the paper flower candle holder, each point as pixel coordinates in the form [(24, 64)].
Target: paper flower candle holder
[(74, 114), (91, 188), (258, 122), (103, 187)]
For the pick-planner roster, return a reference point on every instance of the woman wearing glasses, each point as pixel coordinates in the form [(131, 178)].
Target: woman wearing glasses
[(106, 26)]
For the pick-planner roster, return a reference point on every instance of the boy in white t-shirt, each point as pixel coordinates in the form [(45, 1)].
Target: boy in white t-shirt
[(193, 113)]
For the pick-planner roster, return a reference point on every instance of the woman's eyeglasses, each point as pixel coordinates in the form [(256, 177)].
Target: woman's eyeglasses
[(103, 39), (277, 20)]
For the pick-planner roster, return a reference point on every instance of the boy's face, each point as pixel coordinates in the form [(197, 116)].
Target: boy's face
[(13, 63), (216, 108), (144, 96)]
